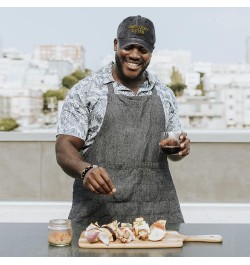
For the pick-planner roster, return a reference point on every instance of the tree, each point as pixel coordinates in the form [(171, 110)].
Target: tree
[(177, 84), (56, 94), (178, 89), (176, 76), (8, 124), (80, 74), (69, 81), (200, 86), (51, 97), (59, 94)]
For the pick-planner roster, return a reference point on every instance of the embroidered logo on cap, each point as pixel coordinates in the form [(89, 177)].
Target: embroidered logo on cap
[(137, 29)]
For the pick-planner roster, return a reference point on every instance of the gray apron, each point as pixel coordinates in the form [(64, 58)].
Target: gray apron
[(127, 146)]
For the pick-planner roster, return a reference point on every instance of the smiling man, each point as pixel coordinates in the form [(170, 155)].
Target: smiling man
[(109, 132)]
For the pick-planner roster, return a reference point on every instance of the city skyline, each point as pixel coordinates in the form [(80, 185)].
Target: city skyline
[(214, 34)]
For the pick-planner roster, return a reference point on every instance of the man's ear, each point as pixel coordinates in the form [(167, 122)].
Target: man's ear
[(115, 44)]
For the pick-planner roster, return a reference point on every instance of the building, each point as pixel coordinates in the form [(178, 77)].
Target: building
[(40, 77), (22, 84), (236, 98), (5, 106), (230, 83), (191, 80), (75, 54), (248, 50), (1, 47), (23, 106), (197, 112), (163, 61), (226, 103), (12, 72), (61, 68)]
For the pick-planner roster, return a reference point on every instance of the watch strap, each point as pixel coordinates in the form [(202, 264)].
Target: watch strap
[(86, 170)]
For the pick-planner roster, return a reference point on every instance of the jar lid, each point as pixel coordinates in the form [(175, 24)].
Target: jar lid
[(59, 223)]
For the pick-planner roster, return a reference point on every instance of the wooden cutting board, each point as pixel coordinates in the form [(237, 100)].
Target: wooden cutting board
[(165, 243), (195, 238), (172, 239)]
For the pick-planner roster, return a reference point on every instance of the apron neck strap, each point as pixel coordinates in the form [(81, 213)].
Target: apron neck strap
[(154, 91), (111, 88)]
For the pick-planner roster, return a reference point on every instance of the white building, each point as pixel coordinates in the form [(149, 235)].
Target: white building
[(75, 54), (236, 99), (12, 72), (22, 83), (199, 113), (192, 77), (5, 106), (230, 84), (201, 67), (24, 106), (248, 50), (61, 68), (41, 78), (191, 80), (11, 53), (1, 47), (163, 61)]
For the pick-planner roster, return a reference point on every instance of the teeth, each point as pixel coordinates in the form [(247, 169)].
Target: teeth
[(132, 64)]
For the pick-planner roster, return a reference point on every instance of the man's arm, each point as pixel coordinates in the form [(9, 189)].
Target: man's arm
[(71, 161), (68, 156)]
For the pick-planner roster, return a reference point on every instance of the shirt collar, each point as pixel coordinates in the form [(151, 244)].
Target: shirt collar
[(106, 73)]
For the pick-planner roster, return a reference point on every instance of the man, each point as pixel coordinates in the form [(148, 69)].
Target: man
[(109, 133)]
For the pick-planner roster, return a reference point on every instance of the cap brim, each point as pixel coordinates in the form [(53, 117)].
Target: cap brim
[(126, 42)]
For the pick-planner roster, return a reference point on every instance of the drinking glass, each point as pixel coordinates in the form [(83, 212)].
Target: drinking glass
[(170, 142)]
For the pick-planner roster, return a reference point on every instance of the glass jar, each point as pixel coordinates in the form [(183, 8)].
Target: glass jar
[(60, 232)]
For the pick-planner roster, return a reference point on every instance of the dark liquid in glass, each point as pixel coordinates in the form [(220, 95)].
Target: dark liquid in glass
[(170, 150)]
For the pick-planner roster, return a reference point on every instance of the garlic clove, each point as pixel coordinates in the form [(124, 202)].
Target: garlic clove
[(104, 238), (109, 231), (120, 231), (92, 235), (143, 234), (156, 234), (131, 235), (92, 226), (161, 224)]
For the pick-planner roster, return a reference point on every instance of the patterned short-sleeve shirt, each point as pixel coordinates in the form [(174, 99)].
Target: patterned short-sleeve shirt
[(84, 107)]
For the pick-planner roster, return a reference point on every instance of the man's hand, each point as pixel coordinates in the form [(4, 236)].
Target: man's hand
[(185, 144), (185, 148), (98, 181)]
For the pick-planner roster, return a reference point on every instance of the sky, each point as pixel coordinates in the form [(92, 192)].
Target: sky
[(212, 34)]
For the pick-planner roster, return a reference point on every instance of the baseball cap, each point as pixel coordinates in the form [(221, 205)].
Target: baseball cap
[(136, 30)]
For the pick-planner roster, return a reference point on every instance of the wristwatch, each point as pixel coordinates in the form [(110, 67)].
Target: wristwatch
[(86, 170)]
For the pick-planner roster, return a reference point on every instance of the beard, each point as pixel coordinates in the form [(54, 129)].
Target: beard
[(126, 78)]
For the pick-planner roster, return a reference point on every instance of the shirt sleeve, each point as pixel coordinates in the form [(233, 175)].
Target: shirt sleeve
[(173, 123), (73, 119)]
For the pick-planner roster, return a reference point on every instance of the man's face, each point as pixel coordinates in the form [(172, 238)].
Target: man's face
[(131, 61)]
